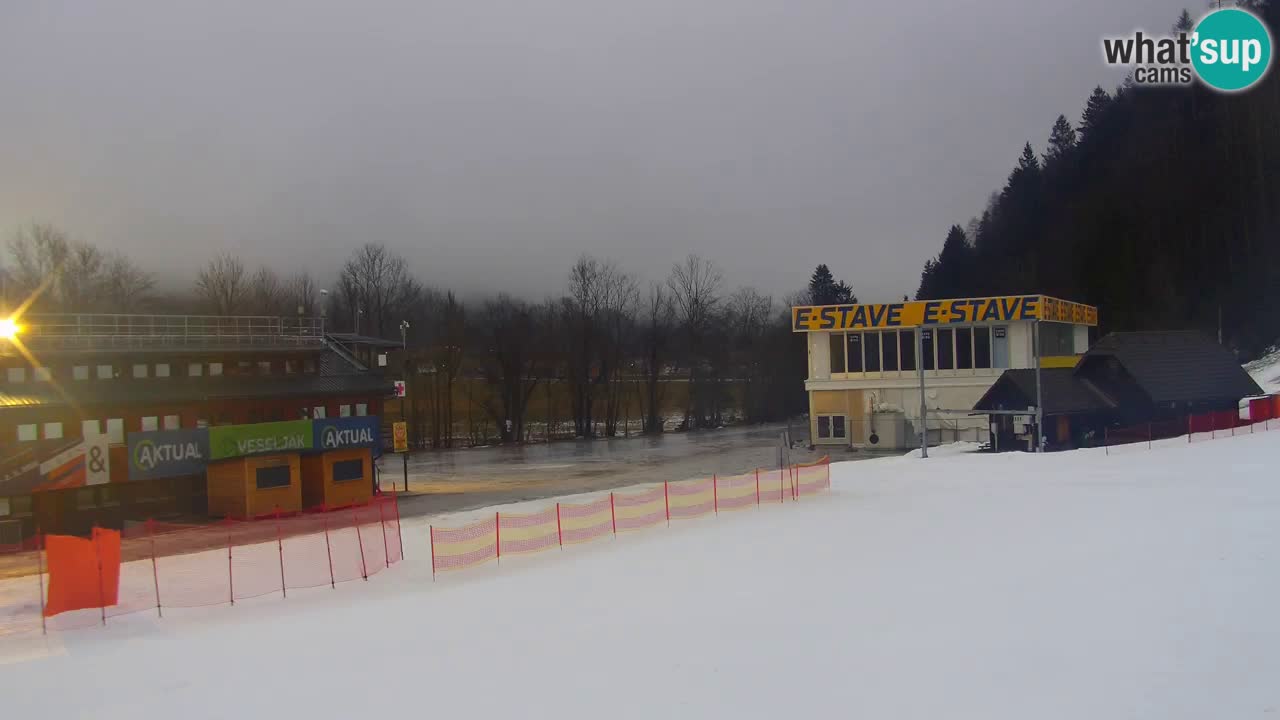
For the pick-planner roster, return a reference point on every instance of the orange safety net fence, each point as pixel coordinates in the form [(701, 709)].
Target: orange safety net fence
[(185, 566), (455, 548)]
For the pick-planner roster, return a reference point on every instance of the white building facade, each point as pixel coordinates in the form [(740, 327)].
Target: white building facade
[(864, 362)]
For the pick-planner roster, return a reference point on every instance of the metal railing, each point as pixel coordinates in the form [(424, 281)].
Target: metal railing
[(121, 332)]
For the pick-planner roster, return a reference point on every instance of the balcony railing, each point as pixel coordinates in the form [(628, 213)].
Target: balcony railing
[(141, 332)]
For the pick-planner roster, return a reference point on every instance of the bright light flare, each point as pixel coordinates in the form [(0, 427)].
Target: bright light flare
[(9, 328)]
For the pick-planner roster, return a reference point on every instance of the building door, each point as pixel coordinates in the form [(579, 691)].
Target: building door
[(1000, 347)]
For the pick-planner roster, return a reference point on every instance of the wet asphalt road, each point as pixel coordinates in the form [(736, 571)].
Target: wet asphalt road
[(453, 480)]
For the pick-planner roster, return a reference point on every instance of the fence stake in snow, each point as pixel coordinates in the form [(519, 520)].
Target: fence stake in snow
[(559, 532), (1148, 436), (328, 550), (757, 487), (715, 495), (613, 516), (155, 572), (44, 630), (280, 548), (666, 501), (497, 536), (231, 576), (395, 504), (97, 552), (431, 530), (364, 569), (386, 551)]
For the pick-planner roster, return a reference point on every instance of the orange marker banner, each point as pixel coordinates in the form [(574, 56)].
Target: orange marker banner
[(457, 548), (83, 573)]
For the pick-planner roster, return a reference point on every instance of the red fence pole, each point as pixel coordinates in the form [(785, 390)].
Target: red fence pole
[(1106, 441), (715, 494), (155, 572), (280, 547), (559, 532), (497, 535), (324, 511), (44, 630), (1148, 436), (395, 504), (757, 487), (780, 496), (97, 551), (386, 550), (431, 530), (1190, 425), (666, 501), (828, 465), (364, 569), (613, 515), (231, 577)]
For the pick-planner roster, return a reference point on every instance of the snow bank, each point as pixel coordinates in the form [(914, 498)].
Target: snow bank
[(1066, 585), (1266, 371)]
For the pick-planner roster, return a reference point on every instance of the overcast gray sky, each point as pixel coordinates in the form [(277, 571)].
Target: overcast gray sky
[(491, 141)]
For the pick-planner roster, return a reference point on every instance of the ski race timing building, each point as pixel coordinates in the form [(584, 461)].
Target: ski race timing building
[(867, 363)]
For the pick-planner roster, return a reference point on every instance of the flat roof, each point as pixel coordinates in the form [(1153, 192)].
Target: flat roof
[(959, 311)]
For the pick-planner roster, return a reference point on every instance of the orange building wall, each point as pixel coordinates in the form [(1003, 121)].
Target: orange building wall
[(318, 487)]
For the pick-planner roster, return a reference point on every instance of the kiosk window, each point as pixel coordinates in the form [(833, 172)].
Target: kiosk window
[(275, 476), (890, 350), (982, 347), (837, 352), (907, 349), (946, 352), (345, 470), (871, 351), (964, 348)]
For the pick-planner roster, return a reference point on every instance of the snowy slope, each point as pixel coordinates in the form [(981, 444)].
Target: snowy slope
[(1073, 585), (1266, 371)]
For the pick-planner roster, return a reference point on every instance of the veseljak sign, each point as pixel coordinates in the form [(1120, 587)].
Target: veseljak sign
[(228, 441)]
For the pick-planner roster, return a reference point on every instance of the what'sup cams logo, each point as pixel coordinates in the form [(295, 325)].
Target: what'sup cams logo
[(1229, 50)]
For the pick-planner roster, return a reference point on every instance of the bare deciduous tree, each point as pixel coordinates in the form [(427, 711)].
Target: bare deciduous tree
[(63, 275), (695, 295), (223, 285)]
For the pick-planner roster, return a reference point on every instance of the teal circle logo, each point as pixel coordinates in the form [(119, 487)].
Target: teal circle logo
[(1231, 49)]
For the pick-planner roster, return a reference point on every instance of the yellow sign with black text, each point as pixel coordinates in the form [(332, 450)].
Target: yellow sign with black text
[(966, 311), (400, 436)]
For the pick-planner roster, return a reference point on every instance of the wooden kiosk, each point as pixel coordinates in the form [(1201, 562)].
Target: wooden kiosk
[(337, 478), (250, 487)]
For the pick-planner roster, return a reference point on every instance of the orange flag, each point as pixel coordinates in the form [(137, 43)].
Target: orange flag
[(82, 573)]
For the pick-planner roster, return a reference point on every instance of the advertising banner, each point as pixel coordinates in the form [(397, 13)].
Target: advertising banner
[(167, 453), (346, 432), (228, 441)]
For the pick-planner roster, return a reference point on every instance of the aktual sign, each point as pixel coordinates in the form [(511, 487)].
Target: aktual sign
[(346, 432), (940, 312), (228, 441), (167, 453)]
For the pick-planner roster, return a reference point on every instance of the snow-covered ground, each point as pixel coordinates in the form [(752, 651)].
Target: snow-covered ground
[(1145, 584)]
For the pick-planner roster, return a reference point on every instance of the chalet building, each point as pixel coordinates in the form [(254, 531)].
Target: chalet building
[(68, 378), (866, 363), (1126, 379)]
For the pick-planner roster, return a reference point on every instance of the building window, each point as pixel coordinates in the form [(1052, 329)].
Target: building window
[(308, 366), (140, 371), (889, 349), (215, 369), (162, 370), (964, 348), (926, 348), (346, 470), (317, 413), (172, 422), (907, 350), (53, 431), (195, 370), (871, 352), (1057, 339), (105, 372), (362, 409), (855, 352), (275, 476), (27, 433), (831, 427), (264, 367), (90, 428), (982, 347), (16, 375), (946, 351), (202, 423), (115, 430), (836, 345), (290, 367), (43, 374), (344, 411), (150, 423), (80, 372)]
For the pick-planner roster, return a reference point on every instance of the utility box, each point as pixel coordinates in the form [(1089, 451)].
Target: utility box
[(338, 478), (249, 487)]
